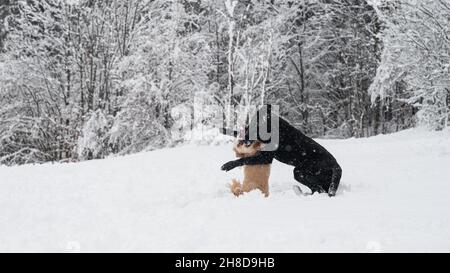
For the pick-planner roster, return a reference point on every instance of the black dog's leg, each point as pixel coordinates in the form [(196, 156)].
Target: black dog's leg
[(311, 181), (335, 179), (260, 159)]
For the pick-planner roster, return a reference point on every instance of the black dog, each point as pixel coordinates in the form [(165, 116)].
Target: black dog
[(314, 166)]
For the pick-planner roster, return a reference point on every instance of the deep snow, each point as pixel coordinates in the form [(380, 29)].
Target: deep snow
[(394, 196)]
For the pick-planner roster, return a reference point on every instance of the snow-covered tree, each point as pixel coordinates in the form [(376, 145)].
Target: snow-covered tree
[(416, 56), (93, 142), (169, 62)]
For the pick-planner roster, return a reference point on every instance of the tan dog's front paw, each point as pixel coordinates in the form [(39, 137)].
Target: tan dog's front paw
[(236, 187)]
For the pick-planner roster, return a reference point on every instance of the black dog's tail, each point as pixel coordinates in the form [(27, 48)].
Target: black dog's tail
[(335, 179)]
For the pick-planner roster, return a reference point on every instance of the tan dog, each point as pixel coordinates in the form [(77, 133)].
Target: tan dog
[(255, 176)]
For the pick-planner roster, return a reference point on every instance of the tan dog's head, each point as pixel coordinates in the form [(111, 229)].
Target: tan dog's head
[(246, 148)]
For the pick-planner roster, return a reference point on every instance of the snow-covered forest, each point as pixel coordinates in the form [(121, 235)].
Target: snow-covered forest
[(83, 79)]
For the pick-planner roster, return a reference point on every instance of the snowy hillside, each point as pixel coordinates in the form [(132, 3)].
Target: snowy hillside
[(394, 197)]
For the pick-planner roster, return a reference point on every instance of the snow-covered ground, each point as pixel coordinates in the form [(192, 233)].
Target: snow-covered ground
[(394, 196)]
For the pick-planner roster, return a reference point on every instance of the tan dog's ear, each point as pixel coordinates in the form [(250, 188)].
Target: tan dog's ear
[(258, 145)]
